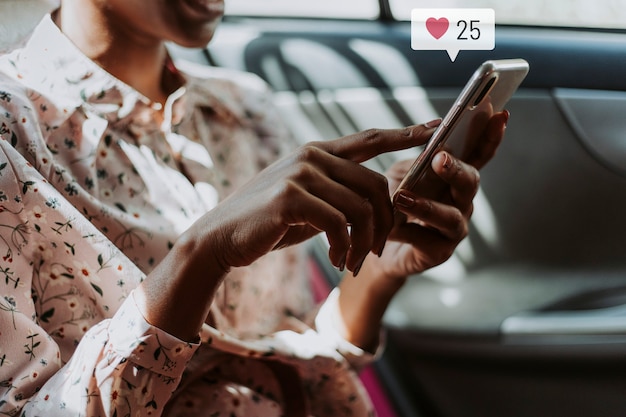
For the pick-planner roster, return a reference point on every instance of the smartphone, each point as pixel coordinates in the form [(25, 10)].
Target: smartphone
[(486, 93)]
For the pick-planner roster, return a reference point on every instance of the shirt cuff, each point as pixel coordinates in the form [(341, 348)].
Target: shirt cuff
[(327, 323), (131, 336)]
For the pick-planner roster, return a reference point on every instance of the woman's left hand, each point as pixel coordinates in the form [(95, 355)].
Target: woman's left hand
[(426, 232)]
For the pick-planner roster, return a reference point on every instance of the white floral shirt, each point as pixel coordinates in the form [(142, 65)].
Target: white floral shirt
[(93, 193)]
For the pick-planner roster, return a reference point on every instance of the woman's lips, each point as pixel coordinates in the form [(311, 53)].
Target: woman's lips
[(209, 9)]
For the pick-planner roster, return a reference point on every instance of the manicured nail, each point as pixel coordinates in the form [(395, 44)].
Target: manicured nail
[(342, 263), (358, 267), (382, 248), (404, 200), (447, 161), (433, 123)]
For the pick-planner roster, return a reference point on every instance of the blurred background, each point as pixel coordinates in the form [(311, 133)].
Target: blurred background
[(603, 14), (578, 13)]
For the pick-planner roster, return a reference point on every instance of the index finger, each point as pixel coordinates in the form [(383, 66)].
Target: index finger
[(367, 144)]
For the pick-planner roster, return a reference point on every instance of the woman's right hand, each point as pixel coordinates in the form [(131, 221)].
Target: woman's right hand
[(321, 187)]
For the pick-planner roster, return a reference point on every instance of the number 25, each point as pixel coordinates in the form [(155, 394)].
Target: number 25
[(474, 30)]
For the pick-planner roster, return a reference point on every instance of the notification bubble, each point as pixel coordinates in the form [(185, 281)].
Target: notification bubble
[(453, 30)]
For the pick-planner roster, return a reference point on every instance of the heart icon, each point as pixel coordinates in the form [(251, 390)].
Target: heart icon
[(437, 27)]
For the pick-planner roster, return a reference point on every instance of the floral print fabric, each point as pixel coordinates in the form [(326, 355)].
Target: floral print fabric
[(96, 183)]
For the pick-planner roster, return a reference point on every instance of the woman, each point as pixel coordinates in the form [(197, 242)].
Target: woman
[(143, 209)]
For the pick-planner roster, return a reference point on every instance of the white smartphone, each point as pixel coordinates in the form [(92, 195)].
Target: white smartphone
[(486, 93)]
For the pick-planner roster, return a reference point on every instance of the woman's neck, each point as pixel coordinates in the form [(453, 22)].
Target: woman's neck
[(137, 61)]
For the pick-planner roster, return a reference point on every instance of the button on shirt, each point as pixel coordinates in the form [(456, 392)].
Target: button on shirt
[(96, 183)]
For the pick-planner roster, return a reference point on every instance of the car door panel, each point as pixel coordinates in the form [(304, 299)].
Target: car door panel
[(597, 116)]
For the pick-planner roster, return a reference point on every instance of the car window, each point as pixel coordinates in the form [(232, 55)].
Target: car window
[(340, 9), (563, 13), (609, 14)]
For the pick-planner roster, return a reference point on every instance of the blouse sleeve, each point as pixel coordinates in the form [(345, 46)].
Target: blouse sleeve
[(63, 352), (327, 321)]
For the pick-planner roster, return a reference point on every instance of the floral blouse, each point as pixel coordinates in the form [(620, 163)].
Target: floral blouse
[(94, 190)]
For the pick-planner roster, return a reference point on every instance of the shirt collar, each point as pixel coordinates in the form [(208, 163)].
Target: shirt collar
[(51, 63)]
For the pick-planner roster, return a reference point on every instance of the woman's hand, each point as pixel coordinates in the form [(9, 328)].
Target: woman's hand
[(322, 187), (426, 232)]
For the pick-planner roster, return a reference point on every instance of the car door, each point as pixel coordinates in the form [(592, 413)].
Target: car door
[(528, 318)]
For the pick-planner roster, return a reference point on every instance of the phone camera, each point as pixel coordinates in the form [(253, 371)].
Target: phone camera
[(484, 91)]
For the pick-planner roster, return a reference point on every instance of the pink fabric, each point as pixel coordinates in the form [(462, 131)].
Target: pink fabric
[(368, 376)]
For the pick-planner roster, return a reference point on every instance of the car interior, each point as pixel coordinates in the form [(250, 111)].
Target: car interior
[(528, 318)]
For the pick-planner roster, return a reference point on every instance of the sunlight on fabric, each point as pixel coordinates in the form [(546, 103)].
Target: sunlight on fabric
[(450, 272), (388, 62), (331, 70), (450, 297), (484, 220)]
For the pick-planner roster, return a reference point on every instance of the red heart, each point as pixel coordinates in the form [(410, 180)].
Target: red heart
[(437, 27)]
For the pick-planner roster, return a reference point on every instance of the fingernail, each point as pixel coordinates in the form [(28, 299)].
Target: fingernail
[(433, 123), (447, 161), (507, 116), (358, 267), (404, 200), (342, 263), (382, 248)]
